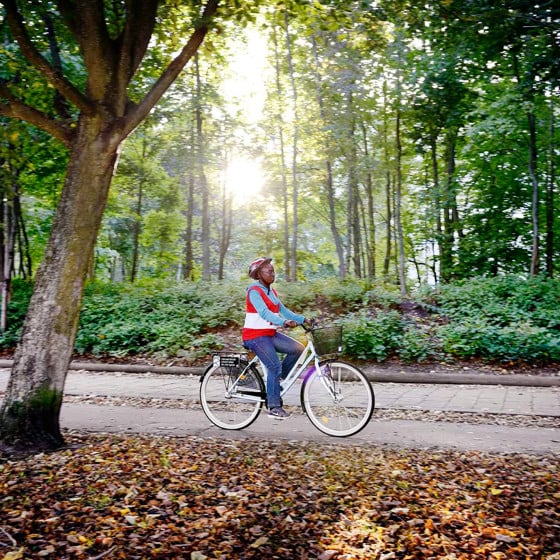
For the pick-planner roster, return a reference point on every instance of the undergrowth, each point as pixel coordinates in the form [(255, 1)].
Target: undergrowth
[(500, 320)]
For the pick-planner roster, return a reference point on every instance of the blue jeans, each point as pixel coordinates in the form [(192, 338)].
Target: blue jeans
[(267, 349)]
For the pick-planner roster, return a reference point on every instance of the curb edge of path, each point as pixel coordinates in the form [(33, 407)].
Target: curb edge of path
[(384, 377)]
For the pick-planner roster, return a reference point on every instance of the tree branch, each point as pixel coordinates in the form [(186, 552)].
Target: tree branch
[(40, 63), (67, 10), (138, 112), (13, 107), (136, 36), (97, 48)]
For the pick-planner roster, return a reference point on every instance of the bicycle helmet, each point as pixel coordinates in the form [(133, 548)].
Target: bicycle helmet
[(255, 266)]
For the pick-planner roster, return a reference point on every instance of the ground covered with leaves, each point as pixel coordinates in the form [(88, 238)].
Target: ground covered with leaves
[(192, 498)]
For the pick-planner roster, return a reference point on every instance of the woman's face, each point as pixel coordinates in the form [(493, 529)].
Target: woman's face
[(266, 274)]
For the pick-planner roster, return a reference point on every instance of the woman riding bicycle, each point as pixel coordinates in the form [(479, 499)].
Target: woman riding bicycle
[(264, 314)]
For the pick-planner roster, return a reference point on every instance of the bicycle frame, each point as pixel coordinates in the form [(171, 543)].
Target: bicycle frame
[(307, 356)]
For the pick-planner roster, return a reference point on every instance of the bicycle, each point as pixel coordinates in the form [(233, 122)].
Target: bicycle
[(336, 396)]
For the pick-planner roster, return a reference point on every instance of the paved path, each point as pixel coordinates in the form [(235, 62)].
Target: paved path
[(500, 399), (496, 399)]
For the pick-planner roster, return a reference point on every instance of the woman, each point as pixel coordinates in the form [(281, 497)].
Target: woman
[(264, 314)]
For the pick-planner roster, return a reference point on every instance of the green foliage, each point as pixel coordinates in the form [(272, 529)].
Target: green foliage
[(348, 295), (418, 344), (298, 296), (372, 338), (17, 308), (152, 318), (385, 335), (517, 342), (384, 297), (504, 320)]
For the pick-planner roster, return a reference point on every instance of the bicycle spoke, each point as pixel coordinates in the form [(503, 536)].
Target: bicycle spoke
[(231, 400), (338, 399)]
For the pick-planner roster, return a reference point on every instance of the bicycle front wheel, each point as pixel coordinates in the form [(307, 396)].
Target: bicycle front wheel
[(338, 398), (232, 398)]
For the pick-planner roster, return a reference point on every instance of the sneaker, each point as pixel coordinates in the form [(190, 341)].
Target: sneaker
[(278, 412)]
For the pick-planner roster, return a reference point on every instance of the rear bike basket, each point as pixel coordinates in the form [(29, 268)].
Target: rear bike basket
[(327, 340)]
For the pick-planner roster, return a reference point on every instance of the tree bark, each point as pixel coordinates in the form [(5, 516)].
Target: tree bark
[(535, 256), (137, 227), (329, 174), (188, 268), (550, 198), (401, 269), (389, 227), (388, 195), (282, 162), (201, 176), (31, 408), (449, 211), (295, 139), (355, 245), (369, 222), (225, 231)]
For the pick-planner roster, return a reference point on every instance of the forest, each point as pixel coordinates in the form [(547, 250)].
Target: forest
[(410, 144), (398, 161)]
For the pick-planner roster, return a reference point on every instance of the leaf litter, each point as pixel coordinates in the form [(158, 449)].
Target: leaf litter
[(122, 497)]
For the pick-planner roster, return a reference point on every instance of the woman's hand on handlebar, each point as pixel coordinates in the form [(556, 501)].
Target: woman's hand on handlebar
[(308, 324)]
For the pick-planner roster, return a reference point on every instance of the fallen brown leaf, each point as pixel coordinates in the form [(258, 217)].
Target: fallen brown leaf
[(142, 498)]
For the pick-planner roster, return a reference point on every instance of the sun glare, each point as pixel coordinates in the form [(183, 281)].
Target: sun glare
[(244, 83), (244, 179), (243, 87)]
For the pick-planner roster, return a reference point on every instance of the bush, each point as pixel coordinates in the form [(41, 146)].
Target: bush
[(299, 296), (151, 318), (374, 338), (383, 298), (514, 343), (17, 308), (418, 345), (506, 319), (346, 296)]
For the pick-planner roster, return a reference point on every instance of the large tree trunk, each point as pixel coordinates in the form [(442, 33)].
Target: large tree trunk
[(201, 176), (295, 148), (225, 228), (188, 268), (329, 185), (353, 217), (448, 204), (388, 190), (137, 226), (369, 222), (31, 407), (550, 196)]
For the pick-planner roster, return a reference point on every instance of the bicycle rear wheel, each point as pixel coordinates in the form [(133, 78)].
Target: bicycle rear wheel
[(231, 398), (338, 398)]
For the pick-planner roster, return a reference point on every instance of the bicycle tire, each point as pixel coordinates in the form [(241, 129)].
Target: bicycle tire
[(233, 411), (351, 407)]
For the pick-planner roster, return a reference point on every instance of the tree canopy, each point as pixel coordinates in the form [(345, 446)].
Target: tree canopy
[(452, 106)]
